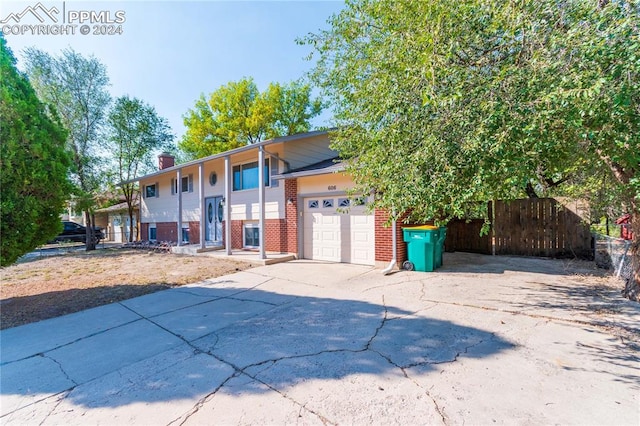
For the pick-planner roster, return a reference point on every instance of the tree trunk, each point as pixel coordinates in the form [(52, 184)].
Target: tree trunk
[(632, 286), (91, 236), (130, 237)]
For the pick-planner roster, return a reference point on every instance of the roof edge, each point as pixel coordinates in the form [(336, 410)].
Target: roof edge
[(281, 139)]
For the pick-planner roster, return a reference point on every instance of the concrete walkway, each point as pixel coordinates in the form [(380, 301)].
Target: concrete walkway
[(484, 340)]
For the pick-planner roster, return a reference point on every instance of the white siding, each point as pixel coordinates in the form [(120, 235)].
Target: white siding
[(244, 204), (324, 184), (162, 208), (216, 166)]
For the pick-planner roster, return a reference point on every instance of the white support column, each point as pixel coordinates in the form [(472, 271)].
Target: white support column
[(261, 201), (178, 187), (228, 179), (203, 213)]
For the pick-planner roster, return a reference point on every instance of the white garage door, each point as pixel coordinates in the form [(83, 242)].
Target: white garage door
[(336, 231)]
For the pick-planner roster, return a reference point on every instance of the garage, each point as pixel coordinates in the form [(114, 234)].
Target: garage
[(338, 230)]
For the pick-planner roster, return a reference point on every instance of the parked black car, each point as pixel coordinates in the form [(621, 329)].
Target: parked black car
[(77, 233)]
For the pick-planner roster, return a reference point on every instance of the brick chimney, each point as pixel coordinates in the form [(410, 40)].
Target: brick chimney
[(165, 160)]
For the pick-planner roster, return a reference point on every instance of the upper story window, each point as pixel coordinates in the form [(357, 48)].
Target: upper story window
[(151, 191), (245, 176), (186, 184)]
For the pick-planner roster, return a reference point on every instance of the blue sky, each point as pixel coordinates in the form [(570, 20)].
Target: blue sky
[(170, 52)]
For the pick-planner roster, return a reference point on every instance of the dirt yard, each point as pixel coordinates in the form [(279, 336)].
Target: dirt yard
[(48, 287)]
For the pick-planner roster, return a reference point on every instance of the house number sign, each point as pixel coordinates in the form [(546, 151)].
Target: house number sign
[(332, 187)]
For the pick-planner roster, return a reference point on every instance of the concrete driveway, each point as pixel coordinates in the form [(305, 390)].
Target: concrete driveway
[(484, 340)]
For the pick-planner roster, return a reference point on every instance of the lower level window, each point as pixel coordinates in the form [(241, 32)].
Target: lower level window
[(251, 235), (152, 234)]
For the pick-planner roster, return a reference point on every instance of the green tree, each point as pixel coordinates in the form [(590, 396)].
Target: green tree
[(33, 164), (77, 87), (136, 132), (238, 114), (444, 103)]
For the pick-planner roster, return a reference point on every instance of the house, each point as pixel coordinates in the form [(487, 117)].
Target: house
[(115, 221), (302, 206)]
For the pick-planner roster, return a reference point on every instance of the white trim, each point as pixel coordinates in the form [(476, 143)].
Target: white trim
[(203, 202), (261, 161)]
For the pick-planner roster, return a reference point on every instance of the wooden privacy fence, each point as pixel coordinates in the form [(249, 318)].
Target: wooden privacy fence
[(465, 236), (528, 227)]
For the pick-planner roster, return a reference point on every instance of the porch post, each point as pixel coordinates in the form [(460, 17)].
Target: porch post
[(178, 187), (228, 178), (203, 216), (261, 200)]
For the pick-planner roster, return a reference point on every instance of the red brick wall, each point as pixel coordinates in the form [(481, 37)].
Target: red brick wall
[(194, 232), (275, 237), (291, 216), (166, 231), (275, 233), (236, 234), (384, 245)]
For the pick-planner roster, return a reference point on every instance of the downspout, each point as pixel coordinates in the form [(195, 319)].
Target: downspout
[(394, 248)]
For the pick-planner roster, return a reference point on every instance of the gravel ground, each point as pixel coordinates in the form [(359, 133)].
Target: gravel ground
[(39, 288)]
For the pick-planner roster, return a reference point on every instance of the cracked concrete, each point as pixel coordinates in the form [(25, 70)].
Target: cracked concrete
[(483, 340)]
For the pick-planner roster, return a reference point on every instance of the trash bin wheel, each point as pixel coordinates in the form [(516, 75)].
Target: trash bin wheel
[(408, 266)]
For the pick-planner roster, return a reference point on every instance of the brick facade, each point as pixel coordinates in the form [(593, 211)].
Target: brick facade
[(144, 232), (194, 232), (291, 216), (236, 234), (384, 243), (166, 231)]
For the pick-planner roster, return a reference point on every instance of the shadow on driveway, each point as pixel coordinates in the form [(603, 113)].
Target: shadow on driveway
[(186, 343)]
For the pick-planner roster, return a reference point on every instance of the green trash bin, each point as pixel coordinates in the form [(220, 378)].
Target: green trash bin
[(421, 248)]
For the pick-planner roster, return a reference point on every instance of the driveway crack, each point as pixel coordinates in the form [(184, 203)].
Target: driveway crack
[(62, 370)]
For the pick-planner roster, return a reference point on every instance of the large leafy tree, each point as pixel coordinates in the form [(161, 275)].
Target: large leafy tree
[(77, 87), (238, 114), (441, 103), (136, 132), (33, 164)]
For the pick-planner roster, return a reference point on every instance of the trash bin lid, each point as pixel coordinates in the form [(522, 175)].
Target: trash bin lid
[(422, 228)]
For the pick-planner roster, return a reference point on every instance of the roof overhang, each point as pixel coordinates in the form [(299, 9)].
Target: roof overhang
[(231, 152), (332, 165)]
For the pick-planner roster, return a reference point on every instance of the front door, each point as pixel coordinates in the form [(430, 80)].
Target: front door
[(214, 212)]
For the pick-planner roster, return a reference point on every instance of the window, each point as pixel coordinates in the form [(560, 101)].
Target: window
[(313, 204), (152, 233), (185, 235), (245, 176), (251, 235), (343, 202), (151, 191), (186, 184), (327, 203), (213, 178)]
